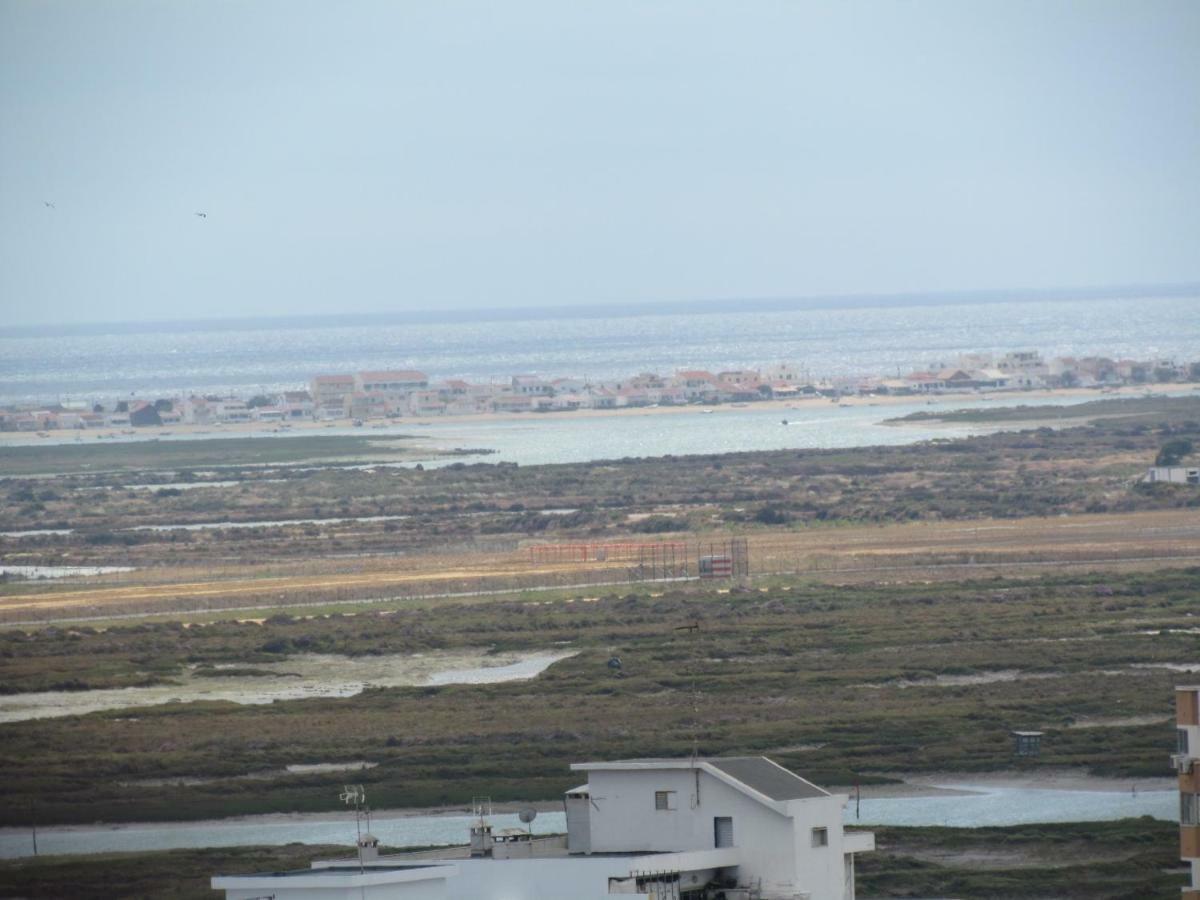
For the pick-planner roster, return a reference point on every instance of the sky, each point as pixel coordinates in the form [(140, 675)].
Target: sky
[(375, 157)]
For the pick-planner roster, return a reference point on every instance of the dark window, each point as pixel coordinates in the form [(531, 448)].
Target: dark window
[(1189, 809), (820, 837), (723, 831)]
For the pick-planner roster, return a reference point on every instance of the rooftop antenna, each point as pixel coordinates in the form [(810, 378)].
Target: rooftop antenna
[(354, 795), (692, 630)]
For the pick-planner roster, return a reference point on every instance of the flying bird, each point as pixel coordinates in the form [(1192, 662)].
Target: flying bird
[(202, 215), (49, 205)]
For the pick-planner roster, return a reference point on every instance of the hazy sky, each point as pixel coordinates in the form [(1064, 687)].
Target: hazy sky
[(374, 156)]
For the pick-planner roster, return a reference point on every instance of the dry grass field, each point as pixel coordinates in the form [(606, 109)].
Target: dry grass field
[(908, 551)]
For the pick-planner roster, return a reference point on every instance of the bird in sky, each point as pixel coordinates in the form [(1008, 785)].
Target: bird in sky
[(202, 215), (49, 205)]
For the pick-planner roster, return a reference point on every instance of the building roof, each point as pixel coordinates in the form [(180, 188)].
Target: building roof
[(768, 778), (333, 379), (757, 773), (396, 375)]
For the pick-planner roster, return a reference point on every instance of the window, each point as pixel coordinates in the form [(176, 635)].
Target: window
[(723, 831), (820, 837), (1189, 809), (664, 799), (1181, 744)]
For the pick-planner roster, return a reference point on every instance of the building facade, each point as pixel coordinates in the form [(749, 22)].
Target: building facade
[(1187, 764), (741, 828)]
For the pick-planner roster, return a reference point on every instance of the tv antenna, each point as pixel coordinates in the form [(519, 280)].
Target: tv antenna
[(692, 631), (354, 795)]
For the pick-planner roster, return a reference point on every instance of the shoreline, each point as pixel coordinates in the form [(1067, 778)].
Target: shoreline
[(395, 429)]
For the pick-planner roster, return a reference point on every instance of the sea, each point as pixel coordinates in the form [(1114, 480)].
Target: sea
[(105, 362)]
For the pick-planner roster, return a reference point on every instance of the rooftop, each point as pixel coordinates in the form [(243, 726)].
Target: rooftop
[(394, 375), (758, 773), (768, 778)]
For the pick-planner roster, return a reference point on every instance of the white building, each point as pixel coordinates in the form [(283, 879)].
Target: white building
[(1172, 474), (394, 383), (787, 831), (426, 882), (740, 827)]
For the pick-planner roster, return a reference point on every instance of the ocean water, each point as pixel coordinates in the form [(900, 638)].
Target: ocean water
[(106, 362)]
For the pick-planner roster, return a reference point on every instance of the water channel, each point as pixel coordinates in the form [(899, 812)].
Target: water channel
[(977, 806)]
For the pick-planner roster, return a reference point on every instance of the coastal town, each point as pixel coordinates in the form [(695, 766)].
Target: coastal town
[(404, 393)]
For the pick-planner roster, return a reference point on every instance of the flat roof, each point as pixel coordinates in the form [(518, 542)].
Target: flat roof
[(340, 878)]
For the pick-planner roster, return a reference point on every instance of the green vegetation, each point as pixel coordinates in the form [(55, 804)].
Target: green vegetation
[(169, 875), (1134, 859), (1136, 408), (125, 456), (1088, 469), (1174, 452), (843, 683)]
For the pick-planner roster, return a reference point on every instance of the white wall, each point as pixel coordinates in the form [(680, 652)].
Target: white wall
[(577, 878), (773, 847), (623, 818), (421, 890), (821, 870)]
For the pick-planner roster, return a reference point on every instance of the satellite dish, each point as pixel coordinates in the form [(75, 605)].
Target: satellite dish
[(527, 815)]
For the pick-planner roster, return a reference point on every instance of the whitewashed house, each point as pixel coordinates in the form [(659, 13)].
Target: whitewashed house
[(787, 831), (742, 828)]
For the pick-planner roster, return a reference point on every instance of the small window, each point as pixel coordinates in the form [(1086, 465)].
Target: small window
[(1189, 809), (1181, 744), (820, 837), (664, 799)]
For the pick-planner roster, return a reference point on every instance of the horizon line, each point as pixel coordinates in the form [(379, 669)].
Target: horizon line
[(620, 309)]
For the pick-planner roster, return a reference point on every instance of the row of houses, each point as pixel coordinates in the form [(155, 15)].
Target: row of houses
[(406, 392), (1027, 370), (379, 394), (192, 410)]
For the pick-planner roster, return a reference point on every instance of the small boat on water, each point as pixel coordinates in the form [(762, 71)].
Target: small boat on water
[(783, 422)]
